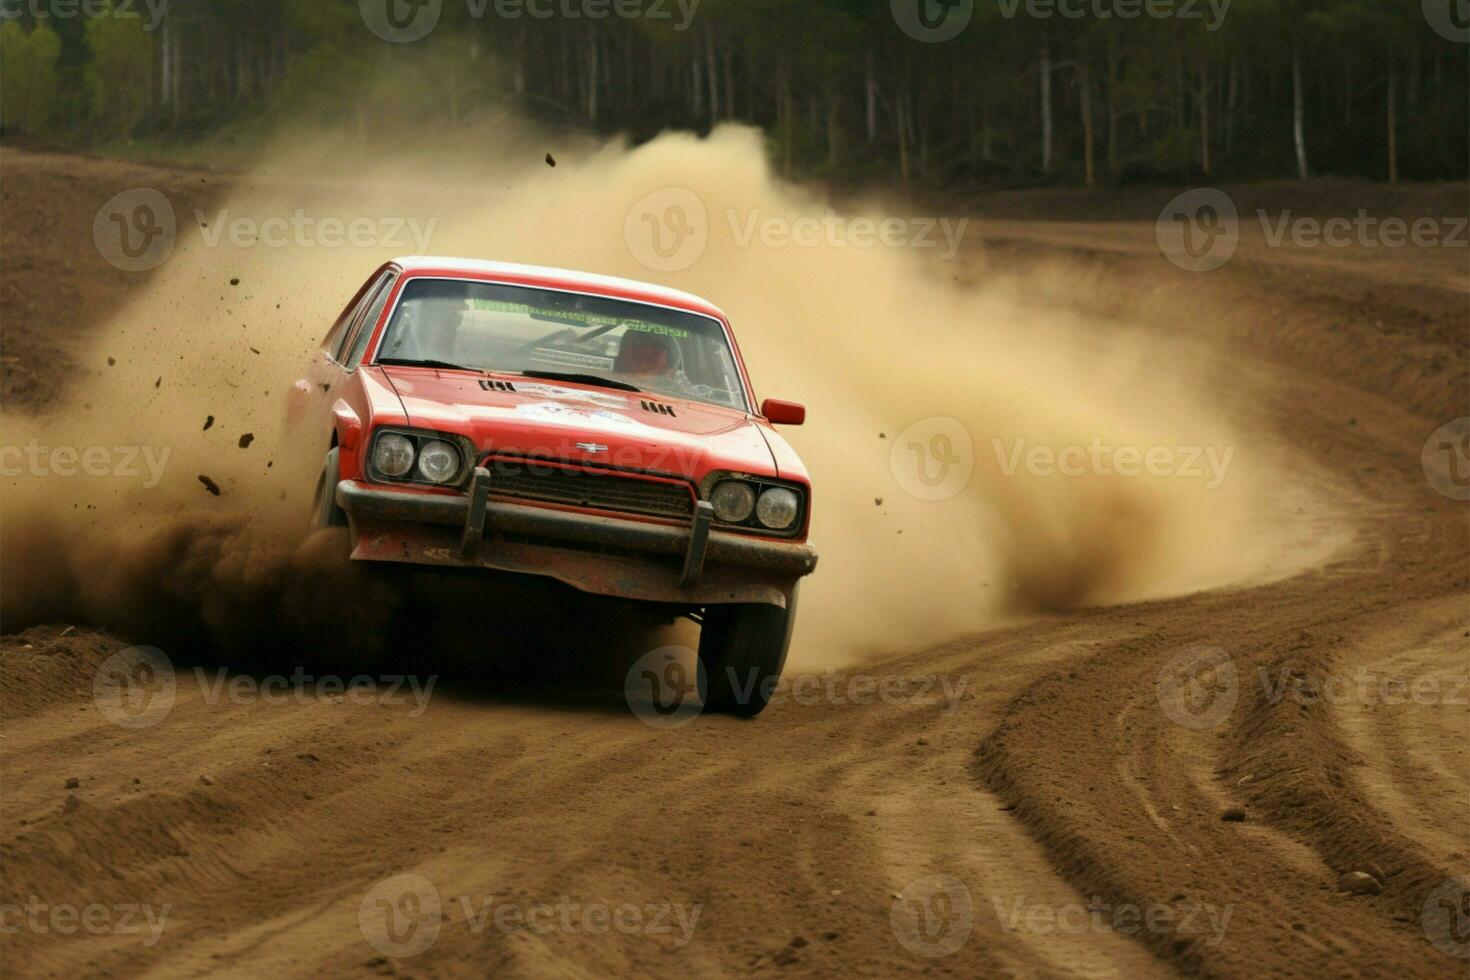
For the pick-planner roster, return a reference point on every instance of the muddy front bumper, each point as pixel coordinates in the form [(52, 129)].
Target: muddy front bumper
[(692, 565)]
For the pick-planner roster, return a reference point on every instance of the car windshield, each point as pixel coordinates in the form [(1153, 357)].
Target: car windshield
[(524, 330)]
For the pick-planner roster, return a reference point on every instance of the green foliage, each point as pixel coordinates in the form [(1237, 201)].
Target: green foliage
[(119, 78), (28, 97), (836, 85)]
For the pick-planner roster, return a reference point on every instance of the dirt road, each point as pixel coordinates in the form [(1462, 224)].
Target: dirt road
[(1048, 798)]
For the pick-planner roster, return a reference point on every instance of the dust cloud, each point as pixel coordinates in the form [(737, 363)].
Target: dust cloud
[(875, 339)]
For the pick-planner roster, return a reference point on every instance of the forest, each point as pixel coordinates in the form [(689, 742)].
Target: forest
[(1025, 92)]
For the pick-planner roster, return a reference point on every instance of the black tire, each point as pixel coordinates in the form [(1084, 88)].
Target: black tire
[(742, 648), (324, 510)]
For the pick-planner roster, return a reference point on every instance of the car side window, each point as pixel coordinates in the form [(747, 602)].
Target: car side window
[(339, 330), (365, 332), (358, 315)]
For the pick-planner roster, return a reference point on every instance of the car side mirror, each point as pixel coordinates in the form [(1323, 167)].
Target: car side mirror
[(778, 412)]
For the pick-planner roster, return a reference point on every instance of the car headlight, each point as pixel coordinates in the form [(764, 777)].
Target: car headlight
[(778, 508), (393, 454), (438, 461), (733, 501)]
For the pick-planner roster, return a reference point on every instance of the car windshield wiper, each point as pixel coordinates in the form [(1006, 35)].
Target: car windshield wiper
[(586, 379), (426, 362)]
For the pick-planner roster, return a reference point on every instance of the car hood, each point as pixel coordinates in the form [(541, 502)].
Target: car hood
[(551, 418)]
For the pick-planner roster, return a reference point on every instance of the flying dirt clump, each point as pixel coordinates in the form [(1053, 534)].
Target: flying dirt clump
[(875, 338)]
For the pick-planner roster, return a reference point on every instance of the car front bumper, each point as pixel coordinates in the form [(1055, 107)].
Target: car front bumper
[(692, 565)]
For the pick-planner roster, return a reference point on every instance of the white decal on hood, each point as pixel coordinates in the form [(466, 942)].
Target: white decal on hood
[(556, 412), (574, 395)]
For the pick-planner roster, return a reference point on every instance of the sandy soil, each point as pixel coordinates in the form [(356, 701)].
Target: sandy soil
[(1051, 805)]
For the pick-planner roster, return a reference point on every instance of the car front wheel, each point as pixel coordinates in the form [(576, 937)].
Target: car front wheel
[(324, 510), (742, 648)]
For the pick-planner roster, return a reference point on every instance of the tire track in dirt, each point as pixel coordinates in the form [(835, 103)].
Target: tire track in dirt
[(1287, 761)]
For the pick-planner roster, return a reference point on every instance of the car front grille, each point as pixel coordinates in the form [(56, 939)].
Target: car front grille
[(598, 490)]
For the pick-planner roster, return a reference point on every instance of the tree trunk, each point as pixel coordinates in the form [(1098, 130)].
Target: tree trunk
[(1393, 151), (834, 131), (592, 71), (1297, 125), (1204, 118), (712, 66), (1231, 89), (1044, 67), (1085, 80), (1113, 109), (900, 107), (871, 90), (727, 60)]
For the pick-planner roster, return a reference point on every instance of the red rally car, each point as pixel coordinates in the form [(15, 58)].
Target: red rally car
[(597, 431)]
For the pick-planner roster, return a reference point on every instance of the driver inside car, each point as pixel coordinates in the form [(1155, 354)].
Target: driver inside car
[(646, 355), (430, 330)]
